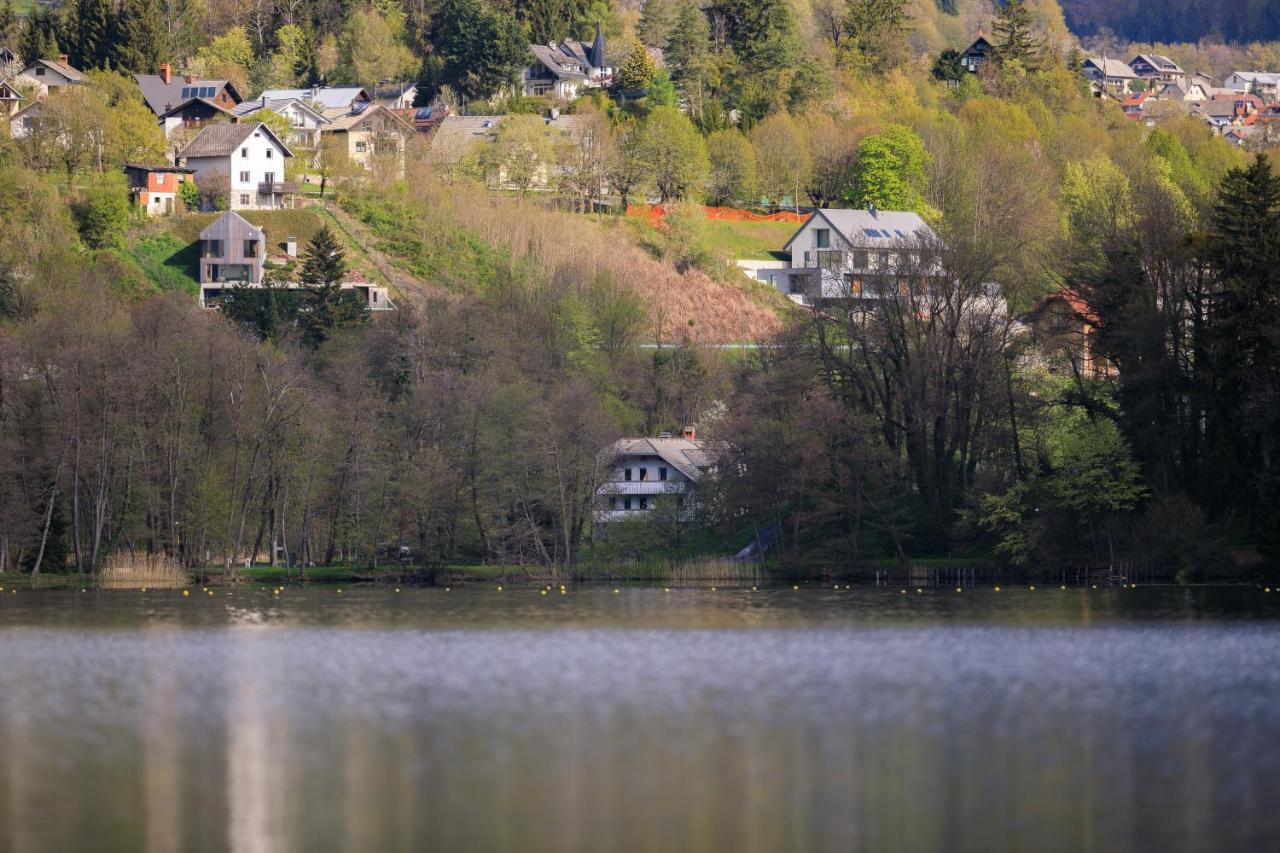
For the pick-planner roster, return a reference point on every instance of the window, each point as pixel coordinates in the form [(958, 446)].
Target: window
[(269, 153), (213, 248), (251, 248), (244, 199), (613, 503), (662, 473), (644, 474), (644, 502), (822, 238), (626, 502), (626, 475), (860, 259), (39, 70), (269, 178), (244, 152), (375, 297), (244, 177), (361, 146)]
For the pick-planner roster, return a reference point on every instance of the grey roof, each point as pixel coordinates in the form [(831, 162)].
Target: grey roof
[(182, 105), (1267, 78), (277, 105), (565, 65), (328, 97), (1111, 67), (163, 97), (61, 67), (861, 227), (1155, 60), (230, 223), (220, 140), (689, 457), (456, 134)]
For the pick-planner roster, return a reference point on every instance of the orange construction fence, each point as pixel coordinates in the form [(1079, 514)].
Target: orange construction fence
[(655, 213)]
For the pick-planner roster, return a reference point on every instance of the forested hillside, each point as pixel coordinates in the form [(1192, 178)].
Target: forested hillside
[(938, 413), (1176, 20)]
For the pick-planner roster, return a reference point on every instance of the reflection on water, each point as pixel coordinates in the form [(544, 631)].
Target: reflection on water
[(649, 721)]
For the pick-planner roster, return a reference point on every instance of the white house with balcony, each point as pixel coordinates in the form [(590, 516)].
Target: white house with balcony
[(841, 254), (244, 159), (643, 471)]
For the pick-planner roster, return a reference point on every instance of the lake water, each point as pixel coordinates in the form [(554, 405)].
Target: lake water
[(1115, 719)]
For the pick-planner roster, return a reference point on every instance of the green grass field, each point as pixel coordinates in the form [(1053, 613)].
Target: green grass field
[(750, 240)]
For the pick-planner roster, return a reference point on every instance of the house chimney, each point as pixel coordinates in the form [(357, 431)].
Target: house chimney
[(871, 208), (166, 73), (63, 58), (190, 78), (689, 433)]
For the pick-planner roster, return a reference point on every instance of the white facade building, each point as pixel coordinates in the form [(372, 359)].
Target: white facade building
[(643, 471), (844, 254), (248, 157)]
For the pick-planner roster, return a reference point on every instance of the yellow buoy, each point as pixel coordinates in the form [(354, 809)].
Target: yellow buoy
[(185, 593), (499, 589), (543, 591), (397, 589), (666, 589), (957, 589), (904, 592), (997, 589), (615, 592), (753, 589), (1033, 589), (795, 587)]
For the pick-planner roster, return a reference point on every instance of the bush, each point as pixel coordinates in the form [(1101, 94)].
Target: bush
[(102, 214)]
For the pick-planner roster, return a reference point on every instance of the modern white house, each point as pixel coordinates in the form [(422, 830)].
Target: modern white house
[(248, 157), (643, 471), (849, 254), (1265, 84), (305, 120), (329, 100), (235, 253)]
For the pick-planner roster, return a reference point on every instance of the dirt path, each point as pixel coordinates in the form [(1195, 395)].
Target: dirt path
[(403, 284)]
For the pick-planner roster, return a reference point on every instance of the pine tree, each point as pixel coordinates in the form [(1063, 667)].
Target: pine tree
[(87, 33), (1014, 36), (657, 17), (40, 37), (688, 42), (8, 22), (638, 68), (328, 306), (139, 40)]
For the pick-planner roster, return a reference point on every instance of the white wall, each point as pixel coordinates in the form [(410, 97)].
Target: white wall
[(261, 156)]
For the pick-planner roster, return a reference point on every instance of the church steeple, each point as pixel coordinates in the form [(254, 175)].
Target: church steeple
[(597, 49)]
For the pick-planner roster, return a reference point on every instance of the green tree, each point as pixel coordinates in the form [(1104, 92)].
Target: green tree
[(286, 65), (947, 67), (41, 37), (9, 23), (688, 42), (782, 159), (762, 33), (140, 41), (86, 33), (522, 154), (890, 171), (662, 92), (103, 212), (372, 48), (876, 34), (327, 306), (1014, 36), (732, 179), (673, 154), (480, 50), (638, 68), (230, 56), (657, 17)]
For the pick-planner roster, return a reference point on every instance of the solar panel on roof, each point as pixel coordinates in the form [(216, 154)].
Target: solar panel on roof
[(900, 234), (423, 113), (871, 232)]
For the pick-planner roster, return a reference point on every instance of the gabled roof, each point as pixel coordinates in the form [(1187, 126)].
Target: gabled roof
[(1155, 60), (350, 121), (328, 97), (980, 47), (221, 140), (146, 167), (60, 67), (8, 93), (162, 97), (563, 63), (279, 105), (688, 456), (1111, 67), (182, 107), (882, 228), (231, 223), (1264, 78)]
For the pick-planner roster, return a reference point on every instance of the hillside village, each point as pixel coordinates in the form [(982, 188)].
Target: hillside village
[(632, 248)]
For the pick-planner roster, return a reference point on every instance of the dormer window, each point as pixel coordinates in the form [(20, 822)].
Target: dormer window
[(822, 238)]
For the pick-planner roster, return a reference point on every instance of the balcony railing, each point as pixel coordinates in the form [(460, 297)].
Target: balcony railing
[(642, 487), (278, 187)]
